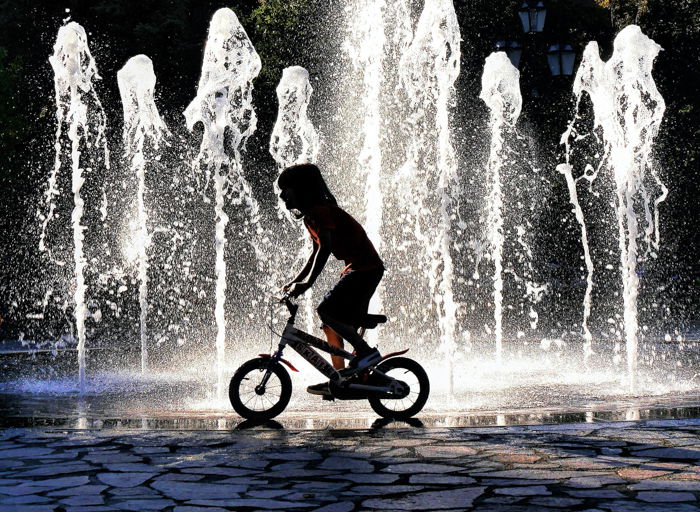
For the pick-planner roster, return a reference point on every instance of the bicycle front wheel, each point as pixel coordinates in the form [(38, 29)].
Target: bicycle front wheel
[(252, 400), (412, 375)]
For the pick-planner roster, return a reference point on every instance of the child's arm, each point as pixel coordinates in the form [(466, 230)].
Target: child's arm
[(307, 267), (312, 269)]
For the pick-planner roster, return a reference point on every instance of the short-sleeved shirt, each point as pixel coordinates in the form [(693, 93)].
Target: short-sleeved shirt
[(349, 241)]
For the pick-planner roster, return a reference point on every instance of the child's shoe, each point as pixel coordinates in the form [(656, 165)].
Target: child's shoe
[(363, 360), (322, 389)]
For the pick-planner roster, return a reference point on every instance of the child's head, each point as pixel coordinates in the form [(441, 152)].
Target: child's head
[(307, 185)]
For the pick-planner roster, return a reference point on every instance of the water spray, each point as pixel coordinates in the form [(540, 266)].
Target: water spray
[(429, 69), (224, 105), (143, 133), (628, 111), (79, 107), (500, 90), (295, 140)]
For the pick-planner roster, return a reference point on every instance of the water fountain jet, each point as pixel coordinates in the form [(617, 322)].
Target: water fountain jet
[(365, 46), (294, 140), (500, 90), (79, 107), (224, 106), (628, 110), (143, 133), (428, 70)]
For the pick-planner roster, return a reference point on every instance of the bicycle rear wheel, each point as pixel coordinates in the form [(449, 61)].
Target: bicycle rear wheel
[(413, 375), (254, 402)]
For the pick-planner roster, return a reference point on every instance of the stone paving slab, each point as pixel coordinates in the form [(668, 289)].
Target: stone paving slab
[(647, 466)]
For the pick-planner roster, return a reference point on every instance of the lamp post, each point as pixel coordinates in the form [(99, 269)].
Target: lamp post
[(512, 49), (532, 14), (560, 58)]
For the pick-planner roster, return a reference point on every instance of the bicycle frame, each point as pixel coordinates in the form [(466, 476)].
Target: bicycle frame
[(302, 342)]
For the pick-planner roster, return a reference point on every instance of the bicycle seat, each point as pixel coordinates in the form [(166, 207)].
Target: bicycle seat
[(371, 321)]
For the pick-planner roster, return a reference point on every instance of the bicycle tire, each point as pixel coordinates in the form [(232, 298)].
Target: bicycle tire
[(421, 377), (245, 374)]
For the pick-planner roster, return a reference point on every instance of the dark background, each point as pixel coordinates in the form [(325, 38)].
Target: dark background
[(287, 32)]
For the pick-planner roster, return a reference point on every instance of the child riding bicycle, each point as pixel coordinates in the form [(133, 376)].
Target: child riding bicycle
[(333, 231)]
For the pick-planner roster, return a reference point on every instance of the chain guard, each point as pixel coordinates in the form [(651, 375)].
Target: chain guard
[(399, 390), (343, 393)]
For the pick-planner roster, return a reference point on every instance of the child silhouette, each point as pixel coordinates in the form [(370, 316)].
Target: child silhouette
[(333, 231)]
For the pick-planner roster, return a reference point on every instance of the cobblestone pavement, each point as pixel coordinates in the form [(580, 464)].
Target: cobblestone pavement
[(615, 467)]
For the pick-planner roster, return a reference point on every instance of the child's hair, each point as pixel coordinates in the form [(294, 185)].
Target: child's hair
[(307, 182)]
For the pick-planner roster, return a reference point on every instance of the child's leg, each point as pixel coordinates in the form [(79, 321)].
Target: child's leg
[(348, 300), (335, 340), (344, 331)]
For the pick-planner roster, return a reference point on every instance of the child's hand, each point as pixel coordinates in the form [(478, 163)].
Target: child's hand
[(288, 286), (297, 289)]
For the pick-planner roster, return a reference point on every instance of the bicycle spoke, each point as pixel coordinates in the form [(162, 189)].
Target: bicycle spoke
[(411, 380), (251, 399)]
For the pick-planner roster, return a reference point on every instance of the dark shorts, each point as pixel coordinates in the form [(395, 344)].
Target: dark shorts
[(348, 300)]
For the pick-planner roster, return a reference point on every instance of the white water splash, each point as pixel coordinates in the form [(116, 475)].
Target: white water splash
[(534, 291), (143, 132), (566, 170), (428, 71), (365, 45), (628, 110), (224, 106), (500, 90), (399, 32), (79, 107), (295, 140)]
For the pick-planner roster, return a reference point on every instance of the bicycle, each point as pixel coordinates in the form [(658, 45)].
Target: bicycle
[(396, 387)]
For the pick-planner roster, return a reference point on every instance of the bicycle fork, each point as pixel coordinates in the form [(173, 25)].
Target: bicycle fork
[(272, 361)]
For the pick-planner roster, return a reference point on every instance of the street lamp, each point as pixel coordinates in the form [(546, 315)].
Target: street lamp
[(532, 13), (560, 58), (512, 49)]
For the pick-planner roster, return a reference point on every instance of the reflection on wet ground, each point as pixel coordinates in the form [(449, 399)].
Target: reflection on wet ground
[(528, 390), (182, 407), (297, 421)]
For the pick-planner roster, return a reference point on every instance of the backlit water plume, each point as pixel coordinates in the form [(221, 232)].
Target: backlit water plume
[(429, 69), (500, 90), (628, 111), (365, 46), (143, 133), (78, 107), (224, 106), (294, 140)]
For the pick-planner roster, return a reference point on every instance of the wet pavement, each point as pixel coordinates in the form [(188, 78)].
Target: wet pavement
[(522, 393), (638, 466)]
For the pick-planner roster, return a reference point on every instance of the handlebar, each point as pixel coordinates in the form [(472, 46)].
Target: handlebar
[(286, 299)]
